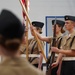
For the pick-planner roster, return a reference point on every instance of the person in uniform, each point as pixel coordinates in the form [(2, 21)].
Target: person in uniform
[(59, 34), (59, 31), (33, 47), (67, 53), (11, 37)]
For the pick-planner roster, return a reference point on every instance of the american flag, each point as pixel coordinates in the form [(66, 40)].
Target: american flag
[(24, 2)]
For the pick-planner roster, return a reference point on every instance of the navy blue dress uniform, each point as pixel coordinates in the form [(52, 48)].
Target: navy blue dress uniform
[(68, 62), (59, 36), (11, 34)]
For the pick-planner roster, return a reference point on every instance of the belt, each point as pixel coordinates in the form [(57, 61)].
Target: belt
[(30, 55), (68, 58), (56, 55)]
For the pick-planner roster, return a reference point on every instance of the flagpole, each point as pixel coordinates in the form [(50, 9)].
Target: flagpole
[(24, 9), (27, 31)]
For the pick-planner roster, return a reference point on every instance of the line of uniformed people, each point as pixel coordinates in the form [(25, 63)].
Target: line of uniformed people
[(61, 40), (59, 31), (65, 46)]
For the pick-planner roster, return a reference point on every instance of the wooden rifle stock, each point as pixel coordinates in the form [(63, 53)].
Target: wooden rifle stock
[(51, 58)]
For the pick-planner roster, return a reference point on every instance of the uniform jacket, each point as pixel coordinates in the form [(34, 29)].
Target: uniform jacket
[(58, 42), (67, 42), (18, 66), (32, 42)]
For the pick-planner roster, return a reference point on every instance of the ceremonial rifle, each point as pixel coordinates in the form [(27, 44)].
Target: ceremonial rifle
[(25, 22), (51, 58)]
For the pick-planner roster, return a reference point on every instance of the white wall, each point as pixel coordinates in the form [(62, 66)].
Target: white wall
[(41, 8)]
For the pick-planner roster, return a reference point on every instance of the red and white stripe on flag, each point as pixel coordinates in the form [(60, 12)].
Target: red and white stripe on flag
[(24, 2), (28, 5)]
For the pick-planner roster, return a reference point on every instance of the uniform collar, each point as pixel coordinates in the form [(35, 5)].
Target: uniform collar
[(72, 34), (58, 35)]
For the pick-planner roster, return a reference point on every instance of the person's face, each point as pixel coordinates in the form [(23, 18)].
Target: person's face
[(69, 25), (58, 29), (35, 30)]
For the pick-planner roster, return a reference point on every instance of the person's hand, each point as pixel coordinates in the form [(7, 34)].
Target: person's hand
[(26, 29), (55, 49), (55, 64), (31, 27)]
